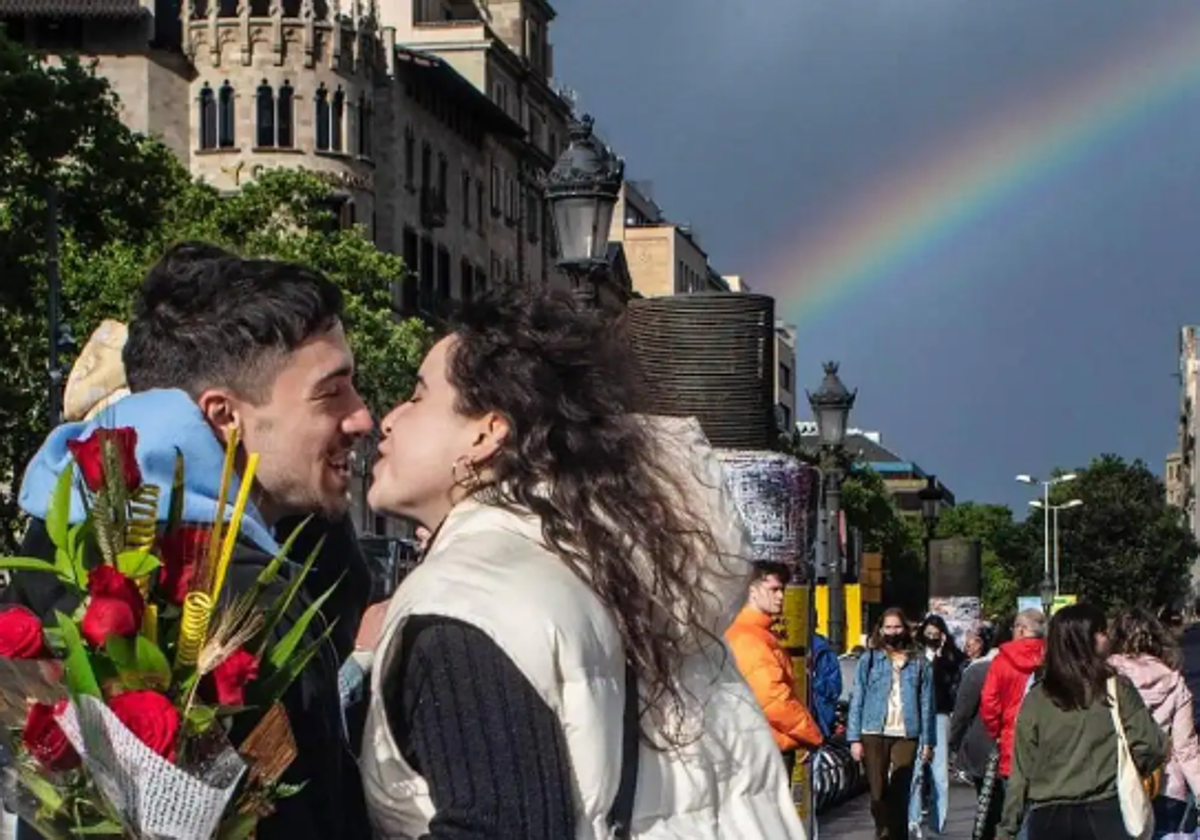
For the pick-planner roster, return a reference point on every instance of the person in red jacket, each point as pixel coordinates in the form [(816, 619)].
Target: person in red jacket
[(1007, 681), (768, 668)]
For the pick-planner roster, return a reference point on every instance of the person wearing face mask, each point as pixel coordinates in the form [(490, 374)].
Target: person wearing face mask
[(947, 661), (892, 721)]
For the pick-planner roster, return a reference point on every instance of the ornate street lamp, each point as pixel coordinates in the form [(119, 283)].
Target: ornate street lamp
[(931, 498), (582, 191), (831, 406)]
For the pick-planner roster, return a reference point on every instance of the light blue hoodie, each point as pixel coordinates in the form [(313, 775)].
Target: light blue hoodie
[(165, 421)]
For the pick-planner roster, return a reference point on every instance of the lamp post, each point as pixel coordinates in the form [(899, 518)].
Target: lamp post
[(931, 499), (61, 340), (831, 406), (1047, 587), (1054, 509), (582, 191)]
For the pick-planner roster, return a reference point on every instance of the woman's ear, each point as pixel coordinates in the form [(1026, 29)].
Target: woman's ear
[(492, 432)]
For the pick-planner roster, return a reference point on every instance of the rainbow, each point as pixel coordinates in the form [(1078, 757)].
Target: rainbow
[(881, 230)]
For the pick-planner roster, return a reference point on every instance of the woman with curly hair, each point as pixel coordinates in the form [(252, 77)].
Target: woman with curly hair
[(559, 649), (1147, 653)]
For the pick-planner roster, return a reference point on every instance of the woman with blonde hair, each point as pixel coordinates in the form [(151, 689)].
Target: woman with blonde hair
[(1148, 654), (554, 668)]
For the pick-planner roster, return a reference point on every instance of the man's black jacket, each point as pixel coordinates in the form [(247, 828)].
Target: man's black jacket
[(331, 803)]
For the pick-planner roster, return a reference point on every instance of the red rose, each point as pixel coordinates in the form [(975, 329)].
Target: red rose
[(21, 634), (179, 551), (115, 608), (45, 739), (231, 677), (106, 581), (151, 717), (89, 454)]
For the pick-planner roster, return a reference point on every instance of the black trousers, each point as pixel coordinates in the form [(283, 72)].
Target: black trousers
[(1100, 820)]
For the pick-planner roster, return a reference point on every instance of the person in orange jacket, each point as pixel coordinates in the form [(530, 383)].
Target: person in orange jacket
[(768, 668)]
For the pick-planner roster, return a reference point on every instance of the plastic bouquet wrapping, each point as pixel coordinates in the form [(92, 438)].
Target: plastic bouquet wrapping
[(119, 718)]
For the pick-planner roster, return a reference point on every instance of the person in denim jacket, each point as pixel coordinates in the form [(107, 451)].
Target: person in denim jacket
[(892, 720)]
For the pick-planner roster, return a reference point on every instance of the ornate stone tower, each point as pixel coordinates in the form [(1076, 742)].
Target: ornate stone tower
[(284, 83)]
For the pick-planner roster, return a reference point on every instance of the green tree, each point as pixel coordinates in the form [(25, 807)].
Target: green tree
[(871, 509), (59, 127), (122, 200), (1010, 566), (1125, 546), (283, 214)]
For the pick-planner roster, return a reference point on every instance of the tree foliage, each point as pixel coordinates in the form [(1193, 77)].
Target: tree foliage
[(1125, 546), (122, 200), (871, 509), (1009, 565), (58, 127)]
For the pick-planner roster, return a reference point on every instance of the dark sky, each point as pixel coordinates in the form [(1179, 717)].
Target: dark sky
[(1038, 332)]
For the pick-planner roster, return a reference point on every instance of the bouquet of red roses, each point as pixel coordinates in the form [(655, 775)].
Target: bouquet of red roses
[(117, 716)]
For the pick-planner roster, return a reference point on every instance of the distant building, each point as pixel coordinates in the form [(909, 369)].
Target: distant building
[(904, 479), (1173, 478), (1182, 487), (665, 257), (785, 375)]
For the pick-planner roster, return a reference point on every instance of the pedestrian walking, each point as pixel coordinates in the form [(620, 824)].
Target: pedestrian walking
[(947, 662), (1076, 724), (969, 741), (892, 721), (1148, 654), (1004, 689)]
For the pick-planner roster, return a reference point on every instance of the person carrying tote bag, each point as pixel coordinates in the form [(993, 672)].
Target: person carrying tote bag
[(1070, 769), (1134, 792)]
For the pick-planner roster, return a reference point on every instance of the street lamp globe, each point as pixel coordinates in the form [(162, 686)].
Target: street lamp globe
[(831, 406), (931, 497), (582, 191)]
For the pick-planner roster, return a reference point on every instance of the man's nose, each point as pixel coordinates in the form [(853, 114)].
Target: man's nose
[(358, 424)]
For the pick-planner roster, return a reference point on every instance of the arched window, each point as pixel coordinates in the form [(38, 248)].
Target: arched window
[(285, 116), (322, 119), (200, 10), (260, 8), (338, 121), (228, 8), (208, 118), (291, 8), (225, 116), (365, 129), (264, 108)]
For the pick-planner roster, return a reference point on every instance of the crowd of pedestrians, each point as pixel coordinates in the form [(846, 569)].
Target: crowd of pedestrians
[(1079, 727)]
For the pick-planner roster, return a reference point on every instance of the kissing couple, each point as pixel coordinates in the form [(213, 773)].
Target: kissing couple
[(554, 668)]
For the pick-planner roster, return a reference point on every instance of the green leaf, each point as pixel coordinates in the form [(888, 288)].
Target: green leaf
[(45, 793), (238, 827), (107, 827), (175, 507), (283, 650), (284, 601), (77, 666), (152, 663), (267, 576), (200, 718), (137, 563), (77, 547), (121, 651), (27, 564), (58, 515), (274, 686)]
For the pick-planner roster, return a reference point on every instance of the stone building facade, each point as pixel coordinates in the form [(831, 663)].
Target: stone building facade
[(432, 120), (436, 144)]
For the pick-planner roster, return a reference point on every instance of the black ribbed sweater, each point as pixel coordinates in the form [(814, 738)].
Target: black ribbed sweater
[(491, 750)]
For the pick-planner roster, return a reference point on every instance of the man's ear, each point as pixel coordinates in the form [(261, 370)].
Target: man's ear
[(221, 409)]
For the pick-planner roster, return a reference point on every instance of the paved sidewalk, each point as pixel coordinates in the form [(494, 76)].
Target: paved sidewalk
[(852, 821)]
